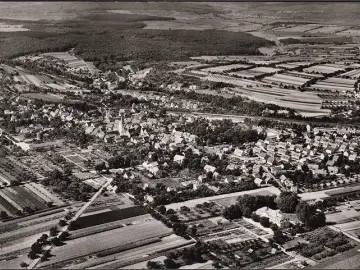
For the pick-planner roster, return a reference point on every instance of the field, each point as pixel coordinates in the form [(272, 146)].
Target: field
[(70, 60), (251, 73), (46, 97), (220, 69), (109, 216), (325, 68), (353, 74), (134, 255), (285, 79), (335, 84), (15, 199), (292, 65), (106, 240)]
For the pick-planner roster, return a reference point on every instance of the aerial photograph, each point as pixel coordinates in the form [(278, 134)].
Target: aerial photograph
[(179, 135)]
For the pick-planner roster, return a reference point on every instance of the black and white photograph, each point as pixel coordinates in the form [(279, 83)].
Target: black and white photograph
[(179, 135)]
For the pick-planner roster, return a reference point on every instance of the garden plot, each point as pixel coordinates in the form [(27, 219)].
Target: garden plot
[(226, 68), (335, 84), (286, 79), (325, 68)]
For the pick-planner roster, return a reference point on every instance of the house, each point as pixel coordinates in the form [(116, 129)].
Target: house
[(293, 244), (333, 169), (179, 159), (258, 181), (209, 168), (274, 215)]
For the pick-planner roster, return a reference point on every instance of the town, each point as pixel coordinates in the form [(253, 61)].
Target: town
[(248, 161)]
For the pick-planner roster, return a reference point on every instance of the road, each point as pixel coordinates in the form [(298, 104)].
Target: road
[(241, 118), (33, 264)]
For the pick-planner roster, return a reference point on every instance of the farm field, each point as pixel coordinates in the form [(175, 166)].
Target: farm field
[(135, 255), (292, 65), (70, 60), (354, 74), (325, 68), (303, 102), (193, 203), (251, 73), (285, 79), (46, 97), (335, 84), (15, 199), (109, 216), (304, 75), (297, 28), (226, 68), (102, 241), (328, 29), (110, 226)]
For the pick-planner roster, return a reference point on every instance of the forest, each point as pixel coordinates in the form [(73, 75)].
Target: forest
[(101, 38)]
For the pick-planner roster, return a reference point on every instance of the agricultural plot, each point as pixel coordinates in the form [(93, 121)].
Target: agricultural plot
[(231, 80), (108, 240), (335, 84), (304, 75), (109, 216), (252, 73), (286, 80), (325, 68), (15, 199), (220, 69), (70, 60), (328, 29), (43, 193), (353, 74), (299, 28), (292, 65)]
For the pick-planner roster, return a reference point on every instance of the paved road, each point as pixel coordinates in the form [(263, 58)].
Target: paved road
[(33, 264)]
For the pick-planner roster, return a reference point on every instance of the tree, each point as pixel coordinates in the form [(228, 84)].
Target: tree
[(23, 264), (232, 212), (32, 255), (310, 215), (62, 223), (279, 237), (193, 230), (264, 221), (3, 215), (153, 265), (63, 236), (53, 231), (161, 209), (56, 241), (100, 167), (287, 202), (170, 264)]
